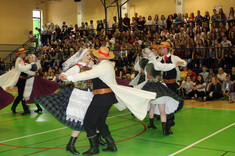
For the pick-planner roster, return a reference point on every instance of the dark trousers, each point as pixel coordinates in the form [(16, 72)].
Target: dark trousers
[(215, 95), (173, 86), (97, 113), (20, 85)]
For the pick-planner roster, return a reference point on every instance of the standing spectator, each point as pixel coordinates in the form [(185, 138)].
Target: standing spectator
[(126, 22), (150, 22), (169, 22), (214, 90), (162, 23), (221, 75), (180, 20), (219, 55), (222, 17), (199, 18), (214, 18), (115, 23), (91, 25), (227, 86), (231, 16), (207, 17), (192, 19), (2, 66)]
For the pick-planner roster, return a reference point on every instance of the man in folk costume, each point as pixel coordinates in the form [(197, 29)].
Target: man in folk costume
[(106, 93), (17, 77), (169, 77)]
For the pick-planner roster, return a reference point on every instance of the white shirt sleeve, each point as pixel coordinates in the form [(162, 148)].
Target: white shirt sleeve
[(97, 71)]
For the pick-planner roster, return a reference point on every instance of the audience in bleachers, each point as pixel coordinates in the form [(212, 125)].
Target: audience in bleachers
[(203, 41)]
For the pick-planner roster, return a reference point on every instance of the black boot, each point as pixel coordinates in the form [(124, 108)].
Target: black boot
[(70, 146), (100, 141), (151, 124), (111, 144), (94, 147), (26, 108), (169, 124), (164, 129), (13, 109), (39, 110)]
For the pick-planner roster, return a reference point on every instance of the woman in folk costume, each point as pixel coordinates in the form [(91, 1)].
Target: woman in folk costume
[(17, 77), (36, 86), (106, 93), (69, 106), (139, 66), (5, 98), (168, 101)]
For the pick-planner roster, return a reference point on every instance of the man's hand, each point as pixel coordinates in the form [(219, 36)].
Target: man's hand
[(63, 77), (179, 63)]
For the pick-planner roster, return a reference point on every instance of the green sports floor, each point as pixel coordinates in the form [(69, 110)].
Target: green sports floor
[(198, 132)]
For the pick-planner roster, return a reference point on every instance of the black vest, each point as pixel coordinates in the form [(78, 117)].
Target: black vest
[(171, 74), (98, 84)]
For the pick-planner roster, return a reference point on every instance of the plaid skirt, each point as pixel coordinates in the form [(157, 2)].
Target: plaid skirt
[(56, 104), (5, 98)]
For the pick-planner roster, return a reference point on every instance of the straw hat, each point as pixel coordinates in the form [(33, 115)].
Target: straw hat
[(104, 53), (165, 45), (21, 50), (154, 47)]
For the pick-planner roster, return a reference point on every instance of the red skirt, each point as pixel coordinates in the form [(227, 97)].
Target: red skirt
[(5, 98), (42, 87), (122, 82)]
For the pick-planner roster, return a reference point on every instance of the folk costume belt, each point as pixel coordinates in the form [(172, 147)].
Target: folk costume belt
[(169, 80), (102, 91), (23, 77)]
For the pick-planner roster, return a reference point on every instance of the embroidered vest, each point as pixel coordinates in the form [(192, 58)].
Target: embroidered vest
[(86, 84)]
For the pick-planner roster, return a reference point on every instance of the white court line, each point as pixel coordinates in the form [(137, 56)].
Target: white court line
[(201, 140), (32, 135), (50, 131)]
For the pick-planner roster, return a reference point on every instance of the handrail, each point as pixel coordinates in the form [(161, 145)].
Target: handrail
[(21, 46)]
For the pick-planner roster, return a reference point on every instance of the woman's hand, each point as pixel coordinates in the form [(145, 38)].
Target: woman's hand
[(63, 77)]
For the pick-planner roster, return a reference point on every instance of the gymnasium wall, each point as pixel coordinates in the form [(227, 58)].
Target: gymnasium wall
[(16, 16), (16, 20)]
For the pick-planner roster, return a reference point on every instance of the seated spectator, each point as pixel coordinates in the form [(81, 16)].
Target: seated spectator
[(233, 74), (221, 75), (52, 77), (204, 74), (198, 90), (214, 90), (192, 75), (227, 86), (185, 87), (211, 74), (45, 76), (232, 95), (226, 42), (133, 73), (125, 73), (118, 72), (184, 73)]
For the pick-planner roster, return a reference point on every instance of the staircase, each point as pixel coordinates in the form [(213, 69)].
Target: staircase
[(10, 58)]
